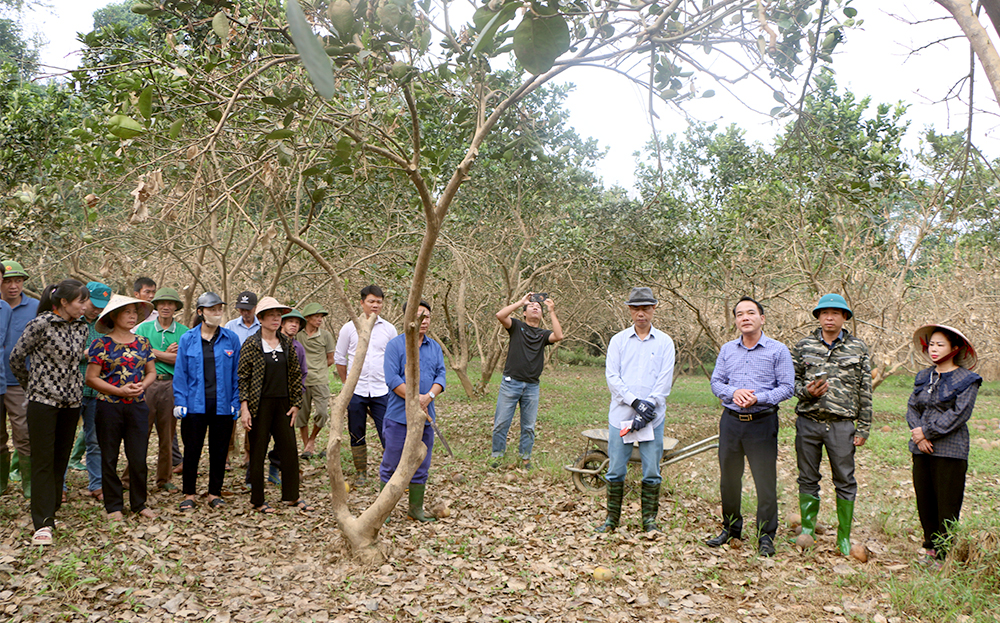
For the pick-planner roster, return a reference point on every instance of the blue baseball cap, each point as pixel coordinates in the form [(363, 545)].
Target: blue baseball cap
[(100, 294)]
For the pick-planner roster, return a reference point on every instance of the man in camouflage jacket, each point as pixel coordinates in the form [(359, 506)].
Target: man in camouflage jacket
[(833, 383)]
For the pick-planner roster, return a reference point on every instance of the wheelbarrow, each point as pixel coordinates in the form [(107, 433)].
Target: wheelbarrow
[(588, 471)]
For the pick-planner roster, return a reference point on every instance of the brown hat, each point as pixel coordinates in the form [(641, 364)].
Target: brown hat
[(966, 355), (105, 322), (268, 303)]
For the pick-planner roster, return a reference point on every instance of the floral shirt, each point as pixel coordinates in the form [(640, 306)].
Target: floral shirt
[(121, 364)]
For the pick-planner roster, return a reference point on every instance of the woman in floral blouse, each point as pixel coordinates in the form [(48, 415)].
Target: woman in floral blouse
[(54, 340), (120, 368)]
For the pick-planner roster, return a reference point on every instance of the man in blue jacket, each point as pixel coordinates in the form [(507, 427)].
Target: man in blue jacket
[(432, 373)]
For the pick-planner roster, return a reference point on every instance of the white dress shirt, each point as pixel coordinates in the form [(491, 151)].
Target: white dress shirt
[(372, 380)]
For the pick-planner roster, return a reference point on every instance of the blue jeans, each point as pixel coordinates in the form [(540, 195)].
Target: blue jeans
[(651, 453), (89, 411), (511, 393)]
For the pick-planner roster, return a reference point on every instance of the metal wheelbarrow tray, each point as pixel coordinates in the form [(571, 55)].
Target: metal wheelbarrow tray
[(587, 472)]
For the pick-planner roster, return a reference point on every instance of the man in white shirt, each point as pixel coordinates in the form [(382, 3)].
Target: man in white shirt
[(371, 394), (640, 371)]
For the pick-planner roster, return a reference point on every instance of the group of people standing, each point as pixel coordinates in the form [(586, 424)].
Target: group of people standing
[(126, 365), (829, 372)]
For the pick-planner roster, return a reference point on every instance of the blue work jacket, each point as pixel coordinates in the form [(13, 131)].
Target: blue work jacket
[(189, 377)]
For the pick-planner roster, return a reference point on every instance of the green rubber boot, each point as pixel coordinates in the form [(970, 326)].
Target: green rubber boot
[(650, 507), (4, 471), (616, 490), (845, 516), (26, 476), (417, 503), (809, 507), (15, 466)]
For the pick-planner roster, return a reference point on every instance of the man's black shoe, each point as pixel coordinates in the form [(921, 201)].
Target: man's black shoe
[(722, 539), (766, 546)]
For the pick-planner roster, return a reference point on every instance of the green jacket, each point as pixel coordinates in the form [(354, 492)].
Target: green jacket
[(849, 375)]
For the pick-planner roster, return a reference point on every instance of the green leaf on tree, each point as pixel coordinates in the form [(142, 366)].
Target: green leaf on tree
[(175, 129), (539, 41), (488, 25), (123, 126), (779, 96), (708, 93), (277, 135), (146, 102), (313, 56)]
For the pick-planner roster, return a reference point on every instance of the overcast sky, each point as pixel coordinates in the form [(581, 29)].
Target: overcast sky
[(875, 61)]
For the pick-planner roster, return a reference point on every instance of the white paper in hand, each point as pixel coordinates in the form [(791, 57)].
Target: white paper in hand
[(643, 434)]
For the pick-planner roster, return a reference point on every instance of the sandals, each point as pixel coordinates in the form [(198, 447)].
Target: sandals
[(215, 503), (42, 536), (187, 506), (265, 508), (97, 494), (302, 505)]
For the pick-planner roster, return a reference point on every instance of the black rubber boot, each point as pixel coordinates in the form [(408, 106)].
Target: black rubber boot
[(616, 490), (650, 507)]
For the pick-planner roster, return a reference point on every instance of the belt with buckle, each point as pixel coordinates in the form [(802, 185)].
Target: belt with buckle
[(164, 377), (750, 417)]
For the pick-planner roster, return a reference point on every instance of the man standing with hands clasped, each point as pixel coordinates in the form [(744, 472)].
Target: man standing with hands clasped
[(753, 373), (833, 383), (525, 361), (640, 370)]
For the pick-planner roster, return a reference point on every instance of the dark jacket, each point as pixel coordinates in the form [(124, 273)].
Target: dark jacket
[(941, 404), (251, 372)]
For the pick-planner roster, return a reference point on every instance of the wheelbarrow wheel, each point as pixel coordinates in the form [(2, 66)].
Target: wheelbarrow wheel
[(591, 484)]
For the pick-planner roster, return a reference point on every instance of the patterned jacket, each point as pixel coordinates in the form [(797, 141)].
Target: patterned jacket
[(55, 346), (251, 372), (942, 404), (848, 373)]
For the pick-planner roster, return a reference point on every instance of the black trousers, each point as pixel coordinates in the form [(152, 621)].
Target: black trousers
[(272, 421), (756, 440), (51, 433), (117, 422), (939, 484), (219, 428)]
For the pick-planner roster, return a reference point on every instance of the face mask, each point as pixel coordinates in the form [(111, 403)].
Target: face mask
[(211, 319)]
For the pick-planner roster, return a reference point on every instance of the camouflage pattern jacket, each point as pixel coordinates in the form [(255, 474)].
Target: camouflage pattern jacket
[(848, 373)]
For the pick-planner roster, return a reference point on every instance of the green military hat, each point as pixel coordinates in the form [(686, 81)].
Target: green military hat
[(168, 294), (295, 314), (13, 269), (832, 301), (314, 308)]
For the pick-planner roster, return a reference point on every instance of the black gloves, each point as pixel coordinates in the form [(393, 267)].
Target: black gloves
[(645, 413)]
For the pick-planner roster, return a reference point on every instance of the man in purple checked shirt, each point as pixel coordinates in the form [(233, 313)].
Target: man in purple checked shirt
[(753, 373)]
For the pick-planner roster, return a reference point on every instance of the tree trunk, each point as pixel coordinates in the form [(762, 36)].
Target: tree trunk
[(978, 38)]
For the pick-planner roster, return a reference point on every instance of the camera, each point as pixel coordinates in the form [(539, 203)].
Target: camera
[(539, 297)]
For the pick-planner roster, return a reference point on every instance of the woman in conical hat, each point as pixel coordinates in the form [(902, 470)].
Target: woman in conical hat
[(941, 404)]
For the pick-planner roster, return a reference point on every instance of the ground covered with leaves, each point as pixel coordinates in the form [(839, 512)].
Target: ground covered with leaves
[(516, 545)]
